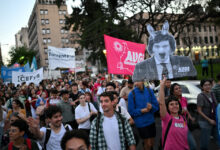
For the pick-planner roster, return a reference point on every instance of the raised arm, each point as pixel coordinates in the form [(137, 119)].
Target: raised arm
[(163, 109)]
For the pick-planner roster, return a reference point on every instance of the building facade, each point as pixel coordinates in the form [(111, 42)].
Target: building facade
[(45, 28), (21, 38), (197, 40)]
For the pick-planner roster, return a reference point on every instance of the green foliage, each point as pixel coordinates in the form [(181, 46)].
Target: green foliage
[(94, 19), (21, 55)]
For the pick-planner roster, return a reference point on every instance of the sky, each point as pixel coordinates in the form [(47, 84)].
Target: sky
[(14, 15)]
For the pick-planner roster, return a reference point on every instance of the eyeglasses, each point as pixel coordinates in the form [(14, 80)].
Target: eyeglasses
[(13, 130)]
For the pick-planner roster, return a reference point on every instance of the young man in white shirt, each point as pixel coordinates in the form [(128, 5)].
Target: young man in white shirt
[(57, 129), (110, 130)]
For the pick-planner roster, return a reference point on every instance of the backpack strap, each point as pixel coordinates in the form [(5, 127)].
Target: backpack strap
[(28, 141), (97, 127), (119, 109), (89, 107), (166, 133), (67, 127), (10, 146), (48, 133), (148, 89), (133, 93)]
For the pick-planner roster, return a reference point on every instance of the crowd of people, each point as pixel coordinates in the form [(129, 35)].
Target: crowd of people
[(99, 114)]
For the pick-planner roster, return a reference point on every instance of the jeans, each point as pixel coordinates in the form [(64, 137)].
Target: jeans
[(206, 130), (191, 141)]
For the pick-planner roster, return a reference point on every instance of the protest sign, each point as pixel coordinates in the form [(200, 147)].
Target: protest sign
[(61, 57), (19, 77), (6, 73), (122, 55), (161, 47)]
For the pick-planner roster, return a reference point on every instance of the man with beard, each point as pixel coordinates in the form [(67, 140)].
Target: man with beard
[(50, 138)]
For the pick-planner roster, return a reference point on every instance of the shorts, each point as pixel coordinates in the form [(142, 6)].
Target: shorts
[(148, 131)]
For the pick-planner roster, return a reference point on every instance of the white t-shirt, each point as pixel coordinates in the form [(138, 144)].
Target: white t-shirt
[(55, 138), (111, 133), (124, 112), (123, 103), (83, 112), (100, 90)]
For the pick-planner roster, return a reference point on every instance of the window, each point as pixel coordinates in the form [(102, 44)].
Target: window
[(215, 28), (44, 21), (211, 39), (200, 40), (204, 28), (63, 40), (194, 28), (67, 40), (62, 21), (48, 31), (206, 40), (46, 40), (210, 28), (45, 50), (62, 12), (195, 40), (184, 89), (216, 39), (43, 11), (199, 28), (43, 31), (47, 21)]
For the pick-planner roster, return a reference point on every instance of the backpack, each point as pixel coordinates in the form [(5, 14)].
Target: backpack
[(48, 133), (28, 141), (133, 93), (98, 122)]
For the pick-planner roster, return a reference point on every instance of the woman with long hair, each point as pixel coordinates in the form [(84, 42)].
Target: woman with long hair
[(206, 106), (90, 99), (174, 125), (176, 91), (18, 107)]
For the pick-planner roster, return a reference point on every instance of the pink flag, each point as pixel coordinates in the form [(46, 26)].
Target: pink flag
[(122, 56)]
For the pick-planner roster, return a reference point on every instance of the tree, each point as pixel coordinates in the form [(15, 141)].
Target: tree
[(116, 17), (94, 19), (20, 55)]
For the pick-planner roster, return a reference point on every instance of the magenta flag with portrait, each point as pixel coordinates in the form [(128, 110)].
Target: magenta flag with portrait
[(122, 56)]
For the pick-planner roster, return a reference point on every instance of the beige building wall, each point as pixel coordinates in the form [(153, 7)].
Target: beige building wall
[(21, 38), (46, 29)]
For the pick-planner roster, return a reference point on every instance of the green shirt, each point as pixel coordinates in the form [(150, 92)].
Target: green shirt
[(67, 111)]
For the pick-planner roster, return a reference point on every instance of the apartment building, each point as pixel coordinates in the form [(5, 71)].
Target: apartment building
[(21, 38), (45, 28)]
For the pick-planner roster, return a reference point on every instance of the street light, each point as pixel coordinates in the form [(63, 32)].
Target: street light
[(104, 52)]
